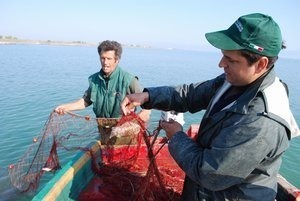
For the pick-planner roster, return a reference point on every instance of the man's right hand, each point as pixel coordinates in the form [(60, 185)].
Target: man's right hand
[(60, 110), (77, 105), (133, 100)]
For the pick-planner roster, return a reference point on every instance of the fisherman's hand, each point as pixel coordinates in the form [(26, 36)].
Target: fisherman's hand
[(60, 110), (144, 115), (133, 100), (171, 127)]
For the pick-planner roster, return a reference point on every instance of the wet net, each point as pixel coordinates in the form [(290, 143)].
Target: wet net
[(134, 163)]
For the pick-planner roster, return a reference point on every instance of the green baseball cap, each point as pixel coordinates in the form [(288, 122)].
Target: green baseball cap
[(255, 32)]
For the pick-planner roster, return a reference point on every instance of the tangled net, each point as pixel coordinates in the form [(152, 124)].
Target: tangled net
[(134, 163)]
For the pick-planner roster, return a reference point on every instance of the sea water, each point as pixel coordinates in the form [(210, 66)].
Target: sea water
[(36, 78)]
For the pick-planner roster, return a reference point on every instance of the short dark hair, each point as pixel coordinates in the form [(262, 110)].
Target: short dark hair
[(108, 45), (252, 57)]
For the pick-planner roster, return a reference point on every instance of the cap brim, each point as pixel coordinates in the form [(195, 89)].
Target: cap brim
[(221, 40)]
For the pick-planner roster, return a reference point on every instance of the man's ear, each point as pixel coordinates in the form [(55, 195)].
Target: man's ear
[(262, 64)]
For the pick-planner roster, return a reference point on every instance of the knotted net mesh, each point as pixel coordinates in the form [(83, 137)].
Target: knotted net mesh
[(134, 163)]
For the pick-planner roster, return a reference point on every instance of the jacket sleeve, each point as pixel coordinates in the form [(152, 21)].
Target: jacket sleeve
[(193, 97)]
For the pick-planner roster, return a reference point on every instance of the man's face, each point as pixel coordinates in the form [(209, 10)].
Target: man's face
[(236, 68), (108, 61)]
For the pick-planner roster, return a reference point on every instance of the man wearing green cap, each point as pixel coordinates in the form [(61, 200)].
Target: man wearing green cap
[(245, 129)]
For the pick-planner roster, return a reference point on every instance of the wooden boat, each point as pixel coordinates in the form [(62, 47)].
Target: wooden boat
[(77, 181)]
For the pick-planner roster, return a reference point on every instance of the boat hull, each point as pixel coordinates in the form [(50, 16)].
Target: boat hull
[(77, 181), (71, 179)]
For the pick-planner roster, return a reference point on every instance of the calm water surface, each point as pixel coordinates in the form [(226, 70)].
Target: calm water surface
[(36, 78)]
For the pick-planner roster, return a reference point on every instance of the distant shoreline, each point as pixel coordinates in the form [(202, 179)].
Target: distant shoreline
[(14, 41), (9, 40)]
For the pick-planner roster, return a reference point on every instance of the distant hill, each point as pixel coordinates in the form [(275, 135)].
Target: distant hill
[(15, 40), (4, 40)]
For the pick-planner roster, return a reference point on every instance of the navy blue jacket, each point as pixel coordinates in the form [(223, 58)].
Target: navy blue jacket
[(237, 154)]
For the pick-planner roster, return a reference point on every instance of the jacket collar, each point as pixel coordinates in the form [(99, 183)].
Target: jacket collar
[(242, 103)]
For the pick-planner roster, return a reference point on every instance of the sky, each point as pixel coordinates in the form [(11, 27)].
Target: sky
[(156, 23)]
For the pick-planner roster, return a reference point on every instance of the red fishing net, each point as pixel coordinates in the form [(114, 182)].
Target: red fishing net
[(134, 163), (60, 133)]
